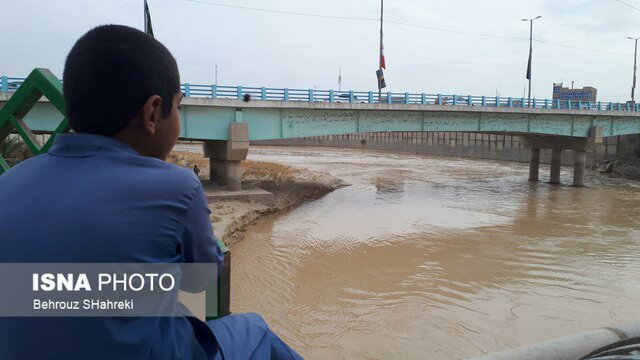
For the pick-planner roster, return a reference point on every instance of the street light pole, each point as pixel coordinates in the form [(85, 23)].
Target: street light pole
[(635, 68), (381, 47), (529, 70)]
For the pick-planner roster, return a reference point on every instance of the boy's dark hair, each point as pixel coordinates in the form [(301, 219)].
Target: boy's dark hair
[(109, 74)]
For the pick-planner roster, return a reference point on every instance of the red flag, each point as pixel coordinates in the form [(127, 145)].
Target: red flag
[(383, 65)]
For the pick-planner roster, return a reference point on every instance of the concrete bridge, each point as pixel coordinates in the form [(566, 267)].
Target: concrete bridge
[(226, 119)]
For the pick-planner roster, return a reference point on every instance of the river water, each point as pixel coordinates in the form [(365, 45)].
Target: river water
[(438, 258)]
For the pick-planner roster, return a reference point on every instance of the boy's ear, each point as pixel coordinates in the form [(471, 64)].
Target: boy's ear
[(151, 113)]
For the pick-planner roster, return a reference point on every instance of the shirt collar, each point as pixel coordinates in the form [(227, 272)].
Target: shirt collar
[(72, 145)]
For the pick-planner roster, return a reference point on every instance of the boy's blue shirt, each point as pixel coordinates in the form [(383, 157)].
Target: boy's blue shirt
[(94, 199)]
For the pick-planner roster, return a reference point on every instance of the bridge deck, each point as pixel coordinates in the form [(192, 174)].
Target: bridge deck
[(208, 119)]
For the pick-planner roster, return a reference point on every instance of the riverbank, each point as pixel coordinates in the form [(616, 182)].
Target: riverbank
[(290, 186), (626, 168)]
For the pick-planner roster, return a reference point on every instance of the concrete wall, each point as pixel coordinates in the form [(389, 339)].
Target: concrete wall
[(474, 145), (629, 147)]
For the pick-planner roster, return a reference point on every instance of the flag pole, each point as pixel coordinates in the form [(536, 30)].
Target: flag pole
[(381, 45), (144, 15)]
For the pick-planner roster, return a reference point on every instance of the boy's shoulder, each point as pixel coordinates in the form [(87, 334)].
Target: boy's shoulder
[(173, 175), (169, 171)]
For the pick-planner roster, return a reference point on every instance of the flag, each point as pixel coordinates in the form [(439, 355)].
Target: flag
[(148, 29), (383, 64), (529, 65), (381, 83)]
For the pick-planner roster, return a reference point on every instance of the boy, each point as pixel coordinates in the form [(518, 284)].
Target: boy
[(106, 195)]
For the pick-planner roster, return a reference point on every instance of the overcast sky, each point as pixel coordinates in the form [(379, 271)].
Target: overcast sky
[(255, 48)]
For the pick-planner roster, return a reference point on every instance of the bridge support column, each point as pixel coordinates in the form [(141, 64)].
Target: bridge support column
[(579, 146), (534, 164), (579, 163), (225, 156), (556, 163)]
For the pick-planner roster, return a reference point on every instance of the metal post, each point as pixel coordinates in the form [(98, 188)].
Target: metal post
[(144, 16), (381, 45), (530, 63), (635, 63)]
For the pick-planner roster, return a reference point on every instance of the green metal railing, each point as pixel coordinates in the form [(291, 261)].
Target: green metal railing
[(41, 82)]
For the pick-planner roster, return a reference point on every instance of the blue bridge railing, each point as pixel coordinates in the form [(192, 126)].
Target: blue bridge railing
[(10, 84)]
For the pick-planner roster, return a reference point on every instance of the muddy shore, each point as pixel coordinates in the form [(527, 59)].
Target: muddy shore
[(290, 187)]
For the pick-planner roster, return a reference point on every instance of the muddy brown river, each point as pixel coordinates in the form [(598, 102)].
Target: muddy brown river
[(439, 258)]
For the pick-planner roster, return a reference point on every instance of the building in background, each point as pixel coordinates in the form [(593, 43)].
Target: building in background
[(586, 93)]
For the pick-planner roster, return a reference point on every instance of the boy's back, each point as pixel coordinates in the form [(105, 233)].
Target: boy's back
[(93, 199)]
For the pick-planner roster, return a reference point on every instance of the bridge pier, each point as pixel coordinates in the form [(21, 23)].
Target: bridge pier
[(225, 156), (579, 162), (556, 164), (557, 144), (534, 164)]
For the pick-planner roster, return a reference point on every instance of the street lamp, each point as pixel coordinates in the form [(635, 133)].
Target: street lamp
[(530, 54), (635, 62)]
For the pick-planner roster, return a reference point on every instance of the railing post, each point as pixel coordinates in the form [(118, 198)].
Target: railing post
[(455, 99), (311, 95), (263, 93), (589, 105), (535, 103), (610, 106), (498, 101), (331, 97), (370, 97), (546, 103), (619, 107), (484, 101), (569, 104), (522, 102), (600, 105), (628, 107), (469, 100), (286, 94), (424, 98), (406, 98), (510, 101), (439, 99), (239, 92), (214, 91), (5, 84), (557, 103), (187, 90), (389, 98), (350, 96), (579, 104)]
